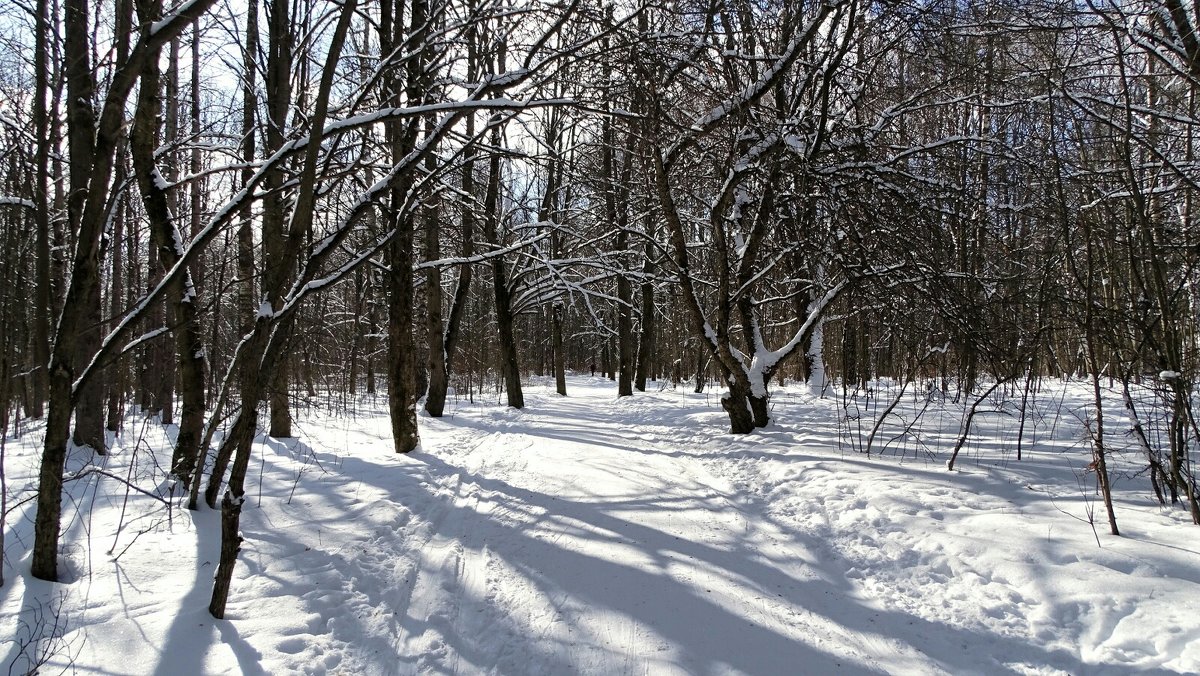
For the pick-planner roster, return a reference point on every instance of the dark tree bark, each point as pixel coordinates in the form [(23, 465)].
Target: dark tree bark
[(81, 131), (617, 215), (245, 232), (560, 359), (41, 214), (118, 370), (646, 353), (181, 293), (89, 410), (439, 376), (116, 390), (197, 187), (86, 268), (399, 255), (462, 292), (278, 99), (166, 368), (509, 367)]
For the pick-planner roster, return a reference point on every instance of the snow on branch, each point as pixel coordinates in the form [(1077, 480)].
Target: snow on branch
[(756, 90), (7, 200)]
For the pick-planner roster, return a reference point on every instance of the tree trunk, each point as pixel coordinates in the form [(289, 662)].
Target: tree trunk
[(759, 409), (736, 403), (625, 346), (240, 439), (560, 361), (818, 382), (245, 233), (116, 296), (507, 341), (509, 368), (80, 132), (1099, 452), (439, 376), (462, 292), (54, 456), (231, 544), (278, 103), (646, 340), (1178, 446), (617, 216), (182, 296), (42, 124), (402, 353), (606, 360)]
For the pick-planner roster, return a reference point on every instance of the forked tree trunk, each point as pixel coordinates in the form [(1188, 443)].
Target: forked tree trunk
[(240, 440), (968, 420), (736, 402), (402, 353), (244, 262)]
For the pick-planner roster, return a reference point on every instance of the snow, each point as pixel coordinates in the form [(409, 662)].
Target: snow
[(595, 535), (172, 16), (156, 178), (8, 200), (817, 382)]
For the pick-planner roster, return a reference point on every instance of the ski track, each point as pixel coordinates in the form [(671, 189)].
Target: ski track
[(606, 536), (590, 535)]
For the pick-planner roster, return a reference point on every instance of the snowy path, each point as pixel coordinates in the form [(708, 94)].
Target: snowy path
[(588, 535), (592, 536), (562, 553)]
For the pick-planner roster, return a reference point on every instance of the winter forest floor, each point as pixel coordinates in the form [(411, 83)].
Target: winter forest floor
[(590, 535)]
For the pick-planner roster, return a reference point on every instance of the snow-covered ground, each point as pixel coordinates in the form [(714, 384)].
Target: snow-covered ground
[(590, 535)]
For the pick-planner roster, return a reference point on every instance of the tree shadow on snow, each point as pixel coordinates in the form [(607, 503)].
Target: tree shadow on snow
[(705, 636), (194, 631)]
